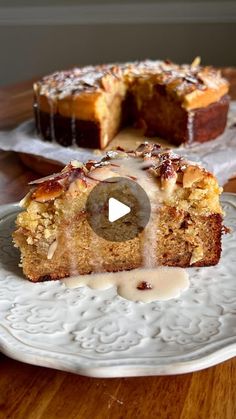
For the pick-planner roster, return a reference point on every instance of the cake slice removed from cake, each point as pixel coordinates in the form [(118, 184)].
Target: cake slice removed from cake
[(55, 238)]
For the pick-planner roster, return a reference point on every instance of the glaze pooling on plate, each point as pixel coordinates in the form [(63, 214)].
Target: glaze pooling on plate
[(146, 285), (98, 333)]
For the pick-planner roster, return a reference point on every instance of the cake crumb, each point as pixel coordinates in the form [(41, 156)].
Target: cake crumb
[(142, 286)]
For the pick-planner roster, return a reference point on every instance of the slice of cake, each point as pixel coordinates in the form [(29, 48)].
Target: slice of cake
[(88, 106), (56, 240)]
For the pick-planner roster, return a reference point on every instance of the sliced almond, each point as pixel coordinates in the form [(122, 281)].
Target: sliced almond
[(77, 186), (192, 175), (77, 164), (196, 62), (102, 173), (168, 184), (47, 191), (197, 254), (51, 250), (26, 200)]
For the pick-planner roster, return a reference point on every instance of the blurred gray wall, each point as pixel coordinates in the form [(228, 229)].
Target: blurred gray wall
[(179, 30), (14, 3)]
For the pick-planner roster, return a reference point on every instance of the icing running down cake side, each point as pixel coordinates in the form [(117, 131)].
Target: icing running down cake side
[(88, 106), (56, 240)]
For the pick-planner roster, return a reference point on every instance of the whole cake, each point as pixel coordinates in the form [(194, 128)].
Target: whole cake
[(56, 240), (88, 106)]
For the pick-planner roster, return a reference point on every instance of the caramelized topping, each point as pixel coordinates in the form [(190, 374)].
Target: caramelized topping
[(51, 187), (47, 191), (160, 162), (182, 79)]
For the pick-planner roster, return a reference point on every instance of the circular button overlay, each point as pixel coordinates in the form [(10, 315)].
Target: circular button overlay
[(118, 209)]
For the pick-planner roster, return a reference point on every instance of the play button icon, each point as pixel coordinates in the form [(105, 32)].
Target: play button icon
[(118, 209)]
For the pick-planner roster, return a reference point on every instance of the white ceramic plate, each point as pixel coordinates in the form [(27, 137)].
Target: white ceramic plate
[(97, 333)]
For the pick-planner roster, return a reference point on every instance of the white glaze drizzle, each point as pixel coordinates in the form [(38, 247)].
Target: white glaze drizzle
[(165, 283), (133, 168), (190, 127), (37, 106), (73, 122), (52, 128)]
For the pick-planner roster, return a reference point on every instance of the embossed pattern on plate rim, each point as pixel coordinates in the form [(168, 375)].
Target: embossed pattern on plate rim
[(207, 356)]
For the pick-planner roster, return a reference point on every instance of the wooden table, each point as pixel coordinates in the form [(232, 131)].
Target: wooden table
[(30, 392)]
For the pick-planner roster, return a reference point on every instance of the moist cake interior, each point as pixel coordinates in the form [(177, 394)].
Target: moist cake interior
[(56, 240)]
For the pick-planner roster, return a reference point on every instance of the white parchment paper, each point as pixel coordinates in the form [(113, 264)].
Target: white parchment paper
[(218, 156)]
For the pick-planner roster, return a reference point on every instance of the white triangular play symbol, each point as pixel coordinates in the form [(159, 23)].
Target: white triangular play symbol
[(116, 209)]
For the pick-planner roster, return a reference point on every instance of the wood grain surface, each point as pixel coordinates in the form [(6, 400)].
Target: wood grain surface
[(31, 392)]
